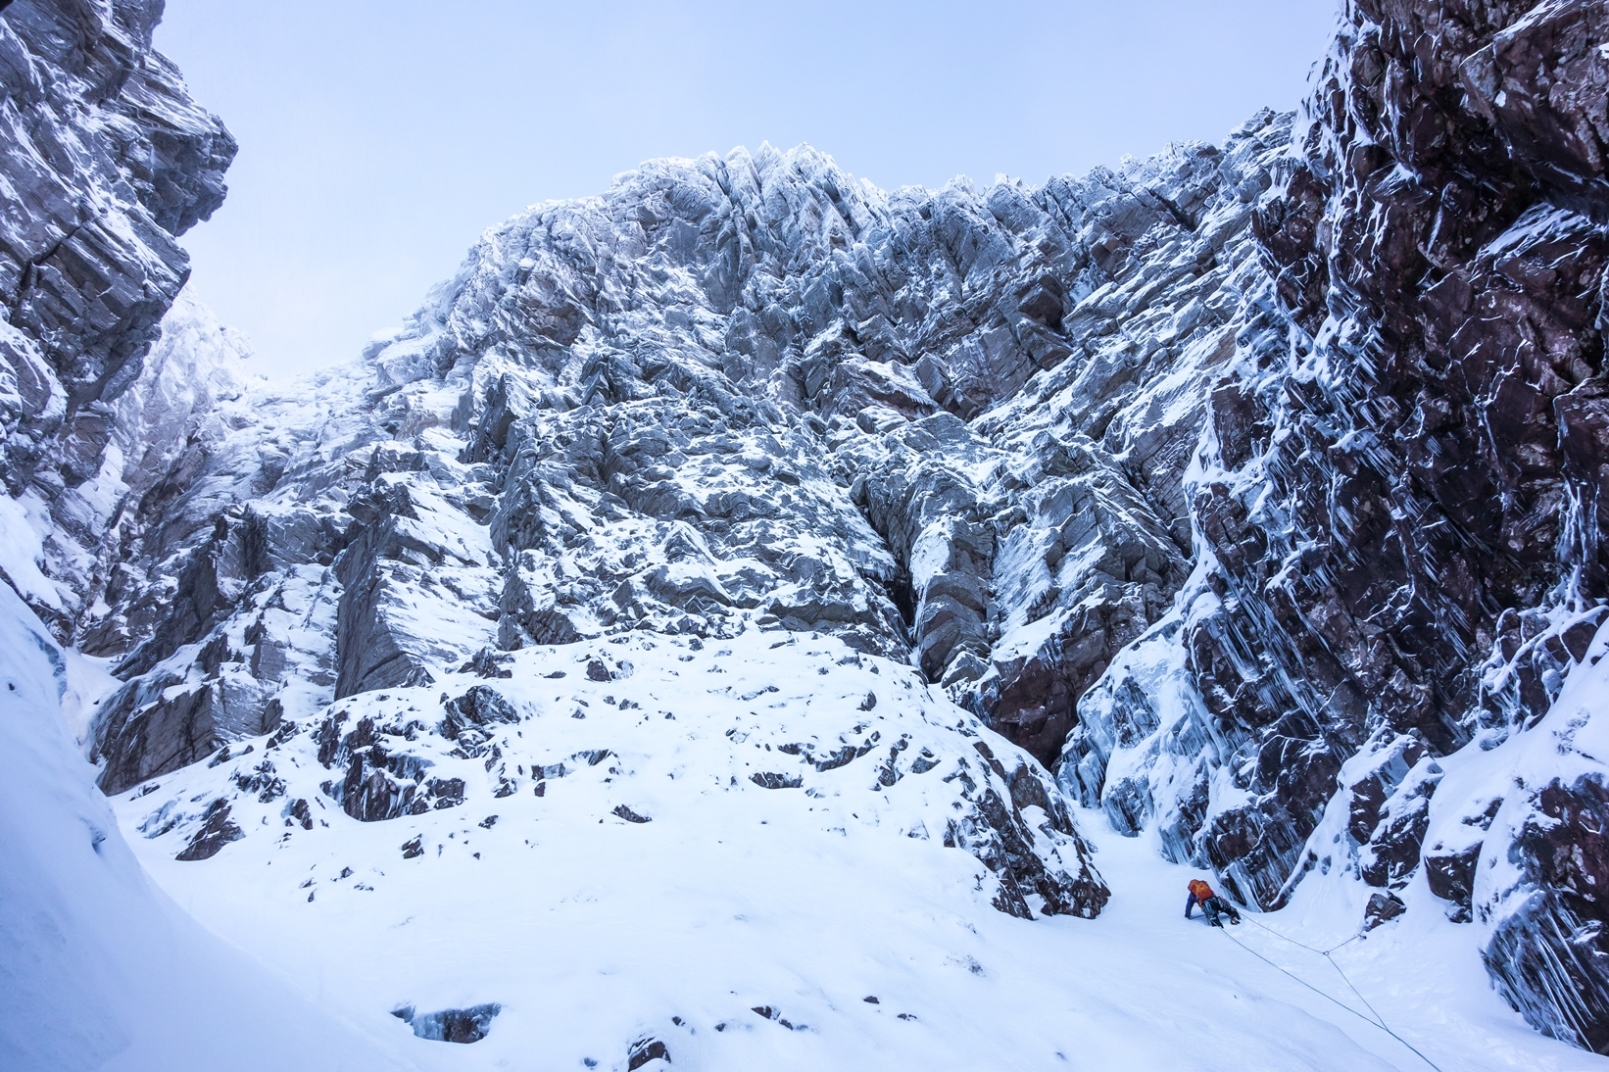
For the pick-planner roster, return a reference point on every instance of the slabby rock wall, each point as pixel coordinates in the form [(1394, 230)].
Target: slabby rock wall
[(731, 393)]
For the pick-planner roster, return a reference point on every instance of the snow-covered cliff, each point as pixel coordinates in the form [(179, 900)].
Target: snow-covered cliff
[(104, 161), (1248, 494)]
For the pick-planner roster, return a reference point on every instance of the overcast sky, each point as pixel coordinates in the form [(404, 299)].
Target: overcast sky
[(378, 138)]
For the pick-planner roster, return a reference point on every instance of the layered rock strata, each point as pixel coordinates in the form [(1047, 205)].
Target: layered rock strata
[(104, 160)]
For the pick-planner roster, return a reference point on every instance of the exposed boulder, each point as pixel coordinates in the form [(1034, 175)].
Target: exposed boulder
[(451, 1025), (217, 830), (1549, 953)]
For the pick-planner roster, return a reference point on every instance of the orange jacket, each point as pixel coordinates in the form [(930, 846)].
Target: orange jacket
[(1200, 890)]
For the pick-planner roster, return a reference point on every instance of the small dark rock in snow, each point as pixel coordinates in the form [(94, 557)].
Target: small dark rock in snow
[(485, 664), (630, 816), (775, 1014), (1452, 878), (871, 999), (645, 1050), (488, 822), (1382, 908), (415, 847), (449, 792), (217, 831), (479, 707), (451, 1025), (869, 702), (772, 780), (598, 671)]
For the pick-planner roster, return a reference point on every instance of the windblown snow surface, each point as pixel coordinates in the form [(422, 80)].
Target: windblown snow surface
[(688, 868), (99, 969)]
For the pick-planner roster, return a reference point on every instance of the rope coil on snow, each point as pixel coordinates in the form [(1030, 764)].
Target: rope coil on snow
[(1378, 1021)]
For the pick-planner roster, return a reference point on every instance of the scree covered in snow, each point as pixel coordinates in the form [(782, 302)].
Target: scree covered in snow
[(732, 855)]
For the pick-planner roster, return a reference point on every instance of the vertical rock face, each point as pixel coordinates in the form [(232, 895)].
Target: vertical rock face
[(104, 160), (732, 394), (1400, 511)]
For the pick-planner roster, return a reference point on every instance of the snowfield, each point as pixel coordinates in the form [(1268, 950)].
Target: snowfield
[(639, 883), (99, 969)]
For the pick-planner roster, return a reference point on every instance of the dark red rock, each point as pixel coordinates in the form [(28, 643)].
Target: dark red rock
[(1452, 878), (1550, 958), (645, 1050), (1382, 908)]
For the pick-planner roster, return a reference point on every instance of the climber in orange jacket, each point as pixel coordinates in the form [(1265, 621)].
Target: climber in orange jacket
[(1212, 906)]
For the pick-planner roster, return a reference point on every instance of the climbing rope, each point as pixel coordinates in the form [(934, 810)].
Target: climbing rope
[(1325, 953), (1378, 1021), (1310, 949)]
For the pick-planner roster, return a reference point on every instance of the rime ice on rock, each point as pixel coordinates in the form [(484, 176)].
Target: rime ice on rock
[(1257, 488)]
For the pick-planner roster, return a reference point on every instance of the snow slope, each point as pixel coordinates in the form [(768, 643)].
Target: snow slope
[(746, 927), (100, 970)]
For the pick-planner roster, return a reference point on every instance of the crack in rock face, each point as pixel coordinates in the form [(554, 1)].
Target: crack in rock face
[(1257, 490)]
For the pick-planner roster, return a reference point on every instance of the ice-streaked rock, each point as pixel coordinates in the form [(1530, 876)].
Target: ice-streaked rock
[(1258, 488)]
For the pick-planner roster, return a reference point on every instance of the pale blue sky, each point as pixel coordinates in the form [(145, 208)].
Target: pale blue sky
[(378, 138)]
